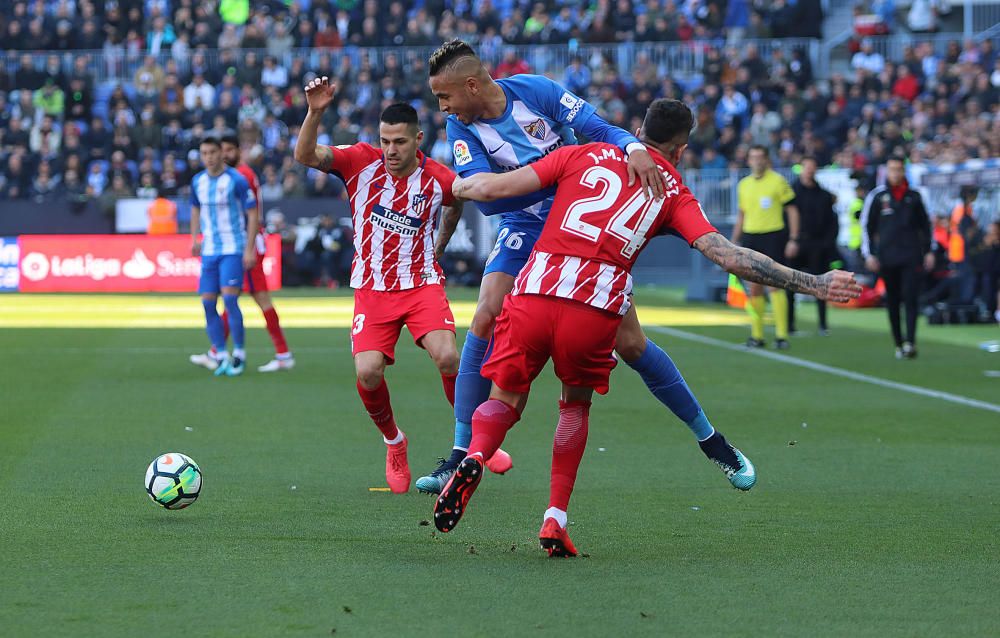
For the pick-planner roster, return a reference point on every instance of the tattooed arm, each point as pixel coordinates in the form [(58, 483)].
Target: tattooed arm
[(449, 221), (306, 150), (835, 285)]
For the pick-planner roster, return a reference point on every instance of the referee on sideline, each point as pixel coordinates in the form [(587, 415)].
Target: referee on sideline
[(764, 197), (896, 242)]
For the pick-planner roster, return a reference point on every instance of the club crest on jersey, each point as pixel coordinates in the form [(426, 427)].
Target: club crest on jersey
[(536, 129), (418, 204)]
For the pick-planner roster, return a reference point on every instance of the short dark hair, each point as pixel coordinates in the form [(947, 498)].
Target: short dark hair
[(400, 113), (667, 121), (809, 158), (761, 148), (448, 53), (895, 158), (230, 137), (210, 139)]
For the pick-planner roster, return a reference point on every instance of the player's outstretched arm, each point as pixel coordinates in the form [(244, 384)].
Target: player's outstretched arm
[(449, 221), (486, 187), (319, 95), (836, 285)]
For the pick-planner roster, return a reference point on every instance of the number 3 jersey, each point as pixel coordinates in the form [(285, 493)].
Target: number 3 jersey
[(598, 225), (394, 218)]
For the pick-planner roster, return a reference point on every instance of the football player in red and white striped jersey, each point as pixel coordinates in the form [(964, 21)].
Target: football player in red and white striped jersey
[(398, 198), (569, 299)]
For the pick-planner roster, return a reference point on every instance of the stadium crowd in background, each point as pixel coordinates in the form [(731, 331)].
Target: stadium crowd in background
[(63, 134)]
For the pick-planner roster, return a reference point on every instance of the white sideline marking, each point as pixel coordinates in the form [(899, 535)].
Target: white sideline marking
[(156, 350), (839, 372)]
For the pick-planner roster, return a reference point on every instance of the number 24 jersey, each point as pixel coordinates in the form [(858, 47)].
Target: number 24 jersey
[(598, 225)]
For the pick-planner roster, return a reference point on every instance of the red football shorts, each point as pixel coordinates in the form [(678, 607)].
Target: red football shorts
[(254, 279), (531, 329), (379, 317)]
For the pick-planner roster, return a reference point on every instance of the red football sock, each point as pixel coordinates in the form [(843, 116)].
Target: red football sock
[(274, 329), (567, 451), (225, 325), (379, 409), (449, 387), (490, 424)]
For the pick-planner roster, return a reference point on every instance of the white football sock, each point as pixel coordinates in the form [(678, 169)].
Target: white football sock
[(557, 514)]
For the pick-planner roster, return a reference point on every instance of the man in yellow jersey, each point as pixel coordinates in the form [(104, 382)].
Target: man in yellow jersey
[(764, 198)]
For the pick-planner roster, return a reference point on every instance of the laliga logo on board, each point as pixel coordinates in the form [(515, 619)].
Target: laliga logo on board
[(35, 266), (139, 267)]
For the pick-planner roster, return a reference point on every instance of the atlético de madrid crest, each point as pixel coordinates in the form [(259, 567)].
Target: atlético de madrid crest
[(536, 129)]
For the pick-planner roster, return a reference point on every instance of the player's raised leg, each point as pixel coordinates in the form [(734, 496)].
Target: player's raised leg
[(490, 424), (374, 393), (283, 359), (471, 389), (665, 381)]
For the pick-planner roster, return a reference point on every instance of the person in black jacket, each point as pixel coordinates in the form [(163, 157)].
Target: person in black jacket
[(896, 242), (818, 230)]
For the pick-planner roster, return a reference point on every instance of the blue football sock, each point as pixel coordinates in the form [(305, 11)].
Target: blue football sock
[(471, 389), (235, 320), (213, 325), (664, 380)]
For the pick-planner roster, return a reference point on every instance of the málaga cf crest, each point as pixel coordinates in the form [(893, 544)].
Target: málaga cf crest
[(536, 129)]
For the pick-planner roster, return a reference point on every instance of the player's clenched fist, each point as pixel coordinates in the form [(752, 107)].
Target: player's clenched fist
[(320, 92)]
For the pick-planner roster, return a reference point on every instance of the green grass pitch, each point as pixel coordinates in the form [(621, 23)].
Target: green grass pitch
[(876, 512)]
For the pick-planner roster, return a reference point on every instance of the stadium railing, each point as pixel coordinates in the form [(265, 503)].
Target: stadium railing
[(892, 46), (682, 60)]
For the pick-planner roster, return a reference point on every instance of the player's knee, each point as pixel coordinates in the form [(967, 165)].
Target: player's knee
[(370, 376), (484, 318), (446, 361), (630, 344)]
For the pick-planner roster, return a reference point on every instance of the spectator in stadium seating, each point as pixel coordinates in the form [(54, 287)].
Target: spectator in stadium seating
[(906, 86), (147, 187), (45, 139), (270, 188), (273, 74), (199, 94), (45, 187), (107, 201), (16, 137), (868, 59), (50, 99), (511, 65), (17, 177), (148, 80)]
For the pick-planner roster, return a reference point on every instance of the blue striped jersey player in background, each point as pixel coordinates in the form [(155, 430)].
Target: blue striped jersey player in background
[(499, 126), (224, 213)]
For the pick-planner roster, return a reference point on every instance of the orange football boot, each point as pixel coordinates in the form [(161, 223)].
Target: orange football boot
[(397, 469), (500, 462), (555, 540)]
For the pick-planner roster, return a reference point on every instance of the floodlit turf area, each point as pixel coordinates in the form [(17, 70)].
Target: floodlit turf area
[(876, 512)]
